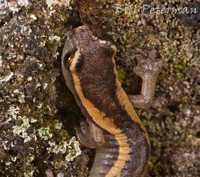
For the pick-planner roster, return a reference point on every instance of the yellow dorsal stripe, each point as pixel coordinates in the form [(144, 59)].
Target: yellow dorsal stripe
[(125, 102), (104, 122)]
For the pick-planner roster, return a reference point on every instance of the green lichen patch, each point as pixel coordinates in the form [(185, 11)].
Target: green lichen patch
[(71, 149), (30, 50)]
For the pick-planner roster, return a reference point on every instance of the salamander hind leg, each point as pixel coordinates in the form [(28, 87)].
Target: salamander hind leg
[(148, 69), (89, 134)]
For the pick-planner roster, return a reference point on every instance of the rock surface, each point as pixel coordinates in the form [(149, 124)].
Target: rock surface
[(37, 111)]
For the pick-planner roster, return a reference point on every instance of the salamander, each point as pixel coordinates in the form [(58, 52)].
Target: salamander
[(111, 124)]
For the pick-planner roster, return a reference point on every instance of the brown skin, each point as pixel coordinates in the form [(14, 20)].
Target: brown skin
[(148, 70), (111, 125)]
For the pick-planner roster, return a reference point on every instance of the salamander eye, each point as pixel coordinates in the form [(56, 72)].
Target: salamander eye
[(68, 58)]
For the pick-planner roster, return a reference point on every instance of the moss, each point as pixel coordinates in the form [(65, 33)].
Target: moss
[(30, 67), (138, 33)]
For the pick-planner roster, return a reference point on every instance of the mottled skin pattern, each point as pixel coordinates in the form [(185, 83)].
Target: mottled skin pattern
[(111, 125)]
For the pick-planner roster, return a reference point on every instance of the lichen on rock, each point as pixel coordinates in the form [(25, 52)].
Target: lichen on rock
[(32, 36)]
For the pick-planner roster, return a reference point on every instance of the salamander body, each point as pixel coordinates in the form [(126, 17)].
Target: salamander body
[(112, 125)]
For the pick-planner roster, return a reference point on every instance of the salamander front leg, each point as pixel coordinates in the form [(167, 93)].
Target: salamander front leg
[(89, 134), (148, 69)]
